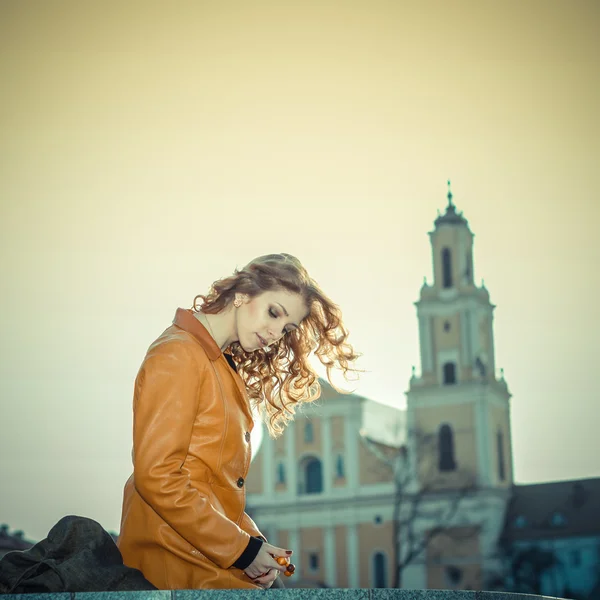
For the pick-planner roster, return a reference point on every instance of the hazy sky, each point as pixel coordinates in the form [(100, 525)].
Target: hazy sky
[(149, 148)]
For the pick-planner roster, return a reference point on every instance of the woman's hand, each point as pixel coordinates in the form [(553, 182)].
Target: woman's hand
[(264, 569)]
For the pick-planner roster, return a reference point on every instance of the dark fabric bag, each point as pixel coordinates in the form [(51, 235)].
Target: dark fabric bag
[(77, 556)]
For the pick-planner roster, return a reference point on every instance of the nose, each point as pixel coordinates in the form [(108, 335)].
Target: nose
[(274, 336)]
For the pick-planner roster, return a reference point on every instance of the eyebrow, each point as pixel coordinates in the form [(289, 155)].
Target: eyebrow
[(286, 312)]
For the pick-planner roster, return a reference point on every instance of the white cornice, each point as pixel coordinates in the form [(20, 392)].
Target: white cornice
[(439, 307), (460, 393)]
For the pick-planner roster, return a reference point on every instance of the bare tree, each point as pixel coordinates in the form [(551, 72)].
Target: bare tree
[(420, 497)]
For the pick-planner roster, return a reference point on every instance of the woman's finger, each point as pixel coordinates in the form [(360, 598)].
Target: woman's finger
[(267, 578), (276, 551)]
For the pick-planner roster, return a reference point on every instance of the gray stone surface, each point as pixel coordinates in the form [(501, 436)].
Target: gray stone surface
[(392, 594), (145, 595), (505, 596), (318, 594), (53, 596), (280, 594), (274, 594)]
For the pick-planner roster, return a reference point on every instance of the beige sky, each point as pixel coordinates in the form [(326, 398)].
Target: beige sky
[(148, 148)]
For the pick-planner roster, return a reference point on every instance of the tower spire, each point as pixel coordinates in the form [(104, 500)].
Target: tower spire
[(451, 216)]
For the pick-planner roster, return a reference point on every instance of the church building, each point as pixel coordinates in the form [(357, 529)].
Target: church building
[(432, 493)]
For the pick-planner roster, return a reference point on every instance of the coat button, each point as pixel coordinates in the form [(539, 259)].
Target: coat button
[(240, 482), (247, 436)]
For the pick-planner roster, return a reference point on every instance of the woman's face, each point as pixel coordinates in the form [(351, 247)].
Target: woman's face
[(264, 319)]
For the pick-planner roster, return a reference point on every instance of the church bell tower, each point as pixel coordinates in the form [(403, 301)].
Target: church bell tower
[(459, 402)]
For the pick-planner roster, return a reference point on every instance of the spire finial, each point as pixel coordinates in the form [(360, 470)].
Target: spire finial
[(449, 194)]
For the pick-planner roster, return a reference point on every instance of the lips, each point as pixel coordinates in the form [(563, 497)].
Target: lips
[(261, 340)]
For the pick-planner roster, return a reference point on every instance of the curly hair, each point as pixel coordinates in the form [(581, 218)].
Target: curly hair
[(280, 377)]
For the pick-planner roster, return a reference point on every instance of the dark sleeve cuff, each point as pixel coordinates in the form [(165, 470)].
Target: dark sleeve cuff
[(249, 554)]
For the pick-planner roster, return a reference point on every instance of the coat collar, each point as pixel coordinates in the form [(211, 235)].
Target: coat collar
[(185, 319)]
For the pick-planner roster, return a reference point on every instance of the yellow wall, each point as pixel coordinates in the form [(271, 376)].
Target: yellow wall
[(372, 538), (311, 540), (341, 558), (471, 577), (461, 419), (446, 340), (458, 546), (498, 420), (313, 447), (339, 482)]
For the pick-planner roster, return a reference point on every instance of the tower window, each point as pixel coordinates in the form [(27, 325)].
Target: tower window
[(379, 570), (313, 561), (446, 268), (446, 325), (500, 448), (449, 373), (469, 269), (446, 460), (308, 433)]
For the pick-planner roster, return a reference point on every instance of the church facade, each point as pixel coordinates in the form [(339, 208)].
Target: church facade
[(352, 505)]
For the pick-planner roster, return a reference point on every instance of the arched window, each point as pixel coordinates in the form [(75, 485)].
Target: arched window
[(469, 268), (453, 576), (449, 373), (446, 268), (339, 467), (308, 433), (446, 448), (280, 473), (500, 448), (311, 476), (379, 570)]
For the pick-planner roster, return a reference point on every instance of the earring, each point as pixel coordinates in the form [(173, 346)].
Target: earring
[(237, 302)]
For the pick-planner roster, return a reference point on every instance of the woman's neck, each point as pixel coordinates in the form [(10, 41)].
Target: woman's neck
[(221, 326)]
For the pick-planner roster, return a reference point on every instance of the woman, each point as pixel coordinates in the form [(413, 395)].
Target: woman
[(246, 345)]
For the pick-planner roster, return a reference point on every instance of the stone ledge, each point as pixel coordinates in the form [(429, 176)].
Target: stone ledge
[(289, 594)]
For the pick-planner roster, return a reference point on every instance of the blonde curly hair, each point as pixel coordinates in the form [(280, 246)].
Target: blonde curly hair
[(280, 377)]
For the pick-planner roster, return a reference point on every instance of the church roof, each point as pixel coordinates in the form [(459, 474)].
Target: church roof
[(381, 423), (12, 541), (451, 216), (555, 509), (384, 424)]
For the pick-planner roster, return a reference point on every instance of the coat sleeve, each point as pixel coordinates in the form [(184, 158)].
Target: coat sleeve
[(249, 526), (166, 402)]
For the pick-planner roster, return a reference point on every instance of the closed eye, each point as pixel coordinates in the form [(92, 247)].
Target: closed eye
[(274, 315)]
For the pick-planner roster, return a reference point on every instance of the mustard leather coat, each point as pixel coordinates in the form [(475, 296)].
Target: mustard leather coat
[(184, 523)]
